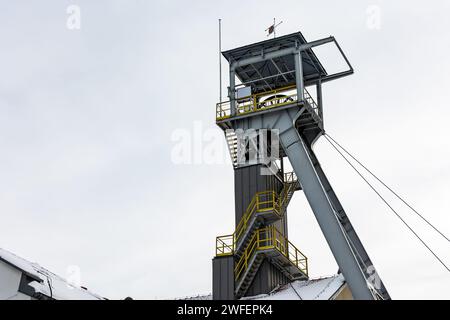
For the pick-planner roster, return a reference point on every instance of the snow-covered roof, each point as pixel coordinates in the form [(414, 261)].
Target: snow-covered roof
[(324, 288), (197, 297), (314, 289), (46, 282)]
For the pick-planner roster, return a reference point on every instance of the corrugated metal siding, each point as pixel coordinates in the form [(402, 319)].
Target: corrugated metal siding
[(247, 182), (223, 278), (267, 278)]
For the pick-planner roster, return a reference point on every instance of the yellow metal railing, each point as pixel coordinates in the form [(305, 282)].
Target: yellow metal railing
[(262, 202), (266, 239), (261, 101), (224, 245), (265, 201)]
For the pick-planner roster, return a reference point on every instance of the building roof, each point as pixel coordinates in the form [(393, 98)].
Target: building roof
[(45, 282), (314, 289), (325, 288)]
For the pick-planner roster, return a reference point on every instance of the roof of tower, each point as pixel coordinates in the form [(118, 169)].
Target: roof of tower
[(312, 68)]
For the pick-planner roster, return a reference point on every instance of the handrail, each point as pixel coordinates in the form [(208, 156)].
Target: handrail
[(264, 100), (261, 202), (311, 101), (290, 183), (264, 201), (270, 238), (224, 245)]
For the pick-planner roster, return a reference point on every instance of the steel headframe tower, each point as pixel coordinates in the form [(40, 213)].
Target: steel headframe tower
[(271, 116)]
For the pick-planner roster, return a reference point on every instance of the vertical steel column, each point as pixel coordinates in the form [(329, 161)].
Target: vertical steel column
[(232, 93), (319, 98), (299, 75)]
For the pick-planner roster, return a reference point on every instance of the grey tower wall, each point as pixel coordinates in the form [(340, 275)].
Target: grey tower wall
[(223, 278), (247, 182), (267, 279)]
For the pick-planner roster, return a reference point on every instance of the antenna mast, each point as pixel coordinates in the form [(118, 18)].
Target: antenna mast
[(220, 60)]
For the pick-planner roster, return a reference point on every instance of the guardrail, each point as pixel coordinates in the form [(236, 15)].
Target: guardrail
[(265, 201), (262, 101), (266, 239), (224, 245), (311, 102)]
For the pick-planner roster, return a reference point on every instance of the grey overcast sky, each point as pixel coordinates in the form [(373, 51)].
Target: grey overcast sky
[(87, 118)]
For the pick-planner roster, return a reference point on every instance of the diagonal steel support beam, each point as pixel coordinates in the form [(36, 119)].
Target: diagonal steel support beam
[(341, 237), (260, 75), (279, 70)]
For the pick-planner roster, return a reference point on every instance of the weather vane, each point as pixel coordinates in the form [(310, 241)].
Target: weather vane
[(272, 28)]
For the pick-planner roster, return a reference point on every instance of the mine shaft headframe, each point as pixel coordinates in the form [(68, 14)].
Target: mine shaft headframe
[(280, 62)]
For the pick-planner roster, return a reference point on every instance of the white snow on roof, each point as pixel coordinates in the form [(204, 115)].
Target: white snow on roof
[(197, 297), (314, 289), (47, 282)]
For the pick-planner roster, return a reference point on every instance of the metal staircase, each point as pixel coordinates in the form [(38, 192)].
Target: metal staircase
[(311, 118), (275, 209), (269, 243), (264, 208), (255, 238), (232, 143)]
